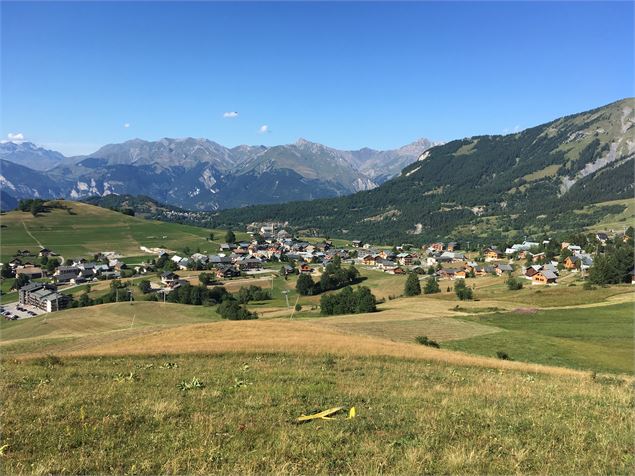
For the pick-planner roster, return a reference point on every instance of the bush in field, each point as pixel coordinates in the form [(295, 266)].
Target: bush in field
[(253, 293), (432, 286), (514, 284), (413, 287), (231, 310), (462, 291), (348, 301), (423, 340), (503, 355)]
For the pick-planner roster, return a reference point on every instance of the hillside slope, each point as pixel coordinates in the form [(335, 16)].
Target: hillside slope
[(83, 230), (531, 181)]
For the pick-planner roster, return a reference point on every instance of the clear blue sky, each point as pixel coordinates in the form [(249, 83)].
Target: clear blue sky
[(347, 75)]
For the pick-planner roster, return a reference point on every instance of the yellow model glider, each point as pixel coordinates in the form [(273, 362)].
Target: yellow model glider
[(326, 414)]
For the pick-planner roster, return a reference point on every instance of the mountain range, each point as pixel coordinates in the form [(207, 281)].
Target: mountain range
[(555, 176), (200, 174)]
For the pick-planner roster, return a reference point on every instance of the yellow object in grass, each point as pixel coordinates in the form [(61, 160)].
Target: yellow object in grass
[(326, 414)]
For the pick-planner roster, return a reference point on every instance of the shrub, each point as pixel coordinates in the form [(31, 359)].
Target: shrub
[(298, 308), (49, 361), (587, 286), (462, 291), (423, 340), (231, 310), (514, 284), (503, 355)]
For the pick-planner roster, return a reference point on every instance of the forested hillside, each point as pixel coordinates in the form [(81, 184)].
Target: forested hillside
[(533, 181)]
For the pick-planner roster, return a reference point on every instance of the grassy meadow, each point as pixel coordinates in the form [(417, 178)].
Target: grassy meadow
[(128, 415), (598, 338), (87, 229)]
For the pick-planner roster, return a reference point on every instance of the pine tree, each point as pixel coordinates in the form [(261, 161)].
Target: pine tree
[(230, 237), (432, 286), (413, 288)]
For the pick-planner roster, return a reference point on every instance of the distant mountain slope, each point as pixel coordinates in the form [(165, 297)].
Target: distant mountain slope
[(534, 180), (30, 155), (18, 181), (203, 175)]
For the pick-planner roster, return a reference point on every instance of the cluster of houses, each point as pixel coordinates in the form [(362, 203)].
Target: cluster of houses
[(80, 271)]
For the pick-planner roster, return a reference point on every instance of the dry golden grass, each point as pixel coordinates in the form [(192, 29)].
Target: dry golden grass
[(293, 337)]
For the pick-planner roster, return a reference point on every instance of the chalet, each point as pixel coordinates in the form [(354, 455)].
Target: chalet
[(386, 265), (33, 272), (200, 258), (452, 256), (288, 269), (503, 268), (74, 270), (448, 273), (581, 262), (461, 274), (536, 258), (184, 264), (225, 271), (357, 243), (452, 245), (531, 271), (64, 278), (544, 277), (44, 252), (398, 270), (219, 260), (283, 234), (574, 249), (369, 260), (492, 254), (249, 263), (405, 259), (169, 278), (109, 275), (570, 263), (602, 237), (15, 262), (305, 269), (437, 246)]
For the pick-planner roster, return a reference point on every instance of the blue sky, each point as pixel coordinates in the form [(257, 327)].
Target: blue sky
[(78, 75)]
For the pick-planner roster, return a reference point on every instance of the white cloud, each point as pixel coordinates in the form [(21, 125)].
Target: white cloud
[(127, 125), (264, 129), (15, 137), (230, 115)]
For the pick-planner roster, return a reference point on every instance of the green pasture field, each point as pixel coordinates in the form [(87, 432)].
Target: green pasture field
[(595, 338)]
